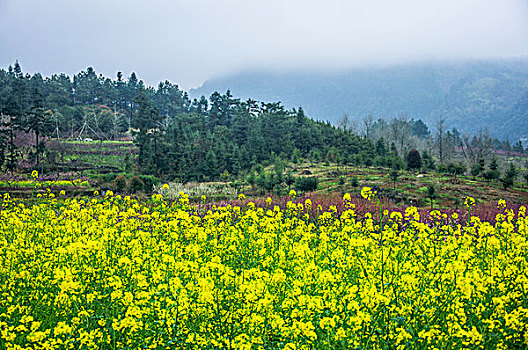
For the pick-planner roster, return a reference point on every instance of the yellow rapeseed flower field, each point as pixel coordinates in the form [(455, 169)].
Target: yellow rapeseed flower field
[(113, 273)]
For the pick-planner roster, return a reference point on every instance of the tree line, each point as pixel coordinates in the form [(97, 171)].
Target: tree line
[(404, 134), (178, 138), (208, 138)]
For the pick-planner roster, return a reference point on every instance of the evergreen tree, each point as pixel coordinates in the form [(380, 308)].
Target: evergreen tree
[(381, 150), (147, 126), (493, 173), (289, 180), (394, 175), (493, 164), (295, 156), (414, 160), (508, 180), (456, 169), (419, 129), (251, 179), (86, 87), (38, 123), (13, 110), (478, 168), (212, 165), (431, 194), (428, 161)]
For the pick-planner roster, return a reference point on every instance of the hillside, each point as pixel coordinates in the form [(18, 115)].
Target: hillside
[(469, 95)]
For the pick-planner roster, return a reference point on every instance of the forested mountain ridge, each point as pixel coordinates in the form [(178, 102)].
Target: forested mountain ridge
[(469, 95)]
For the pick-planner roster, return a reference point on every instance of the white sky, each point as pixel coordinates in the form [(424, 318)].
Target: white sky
[(190, 41)]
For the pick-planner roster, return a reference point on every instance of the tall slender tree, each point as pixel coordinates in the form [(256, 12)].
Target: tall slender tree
[(147, 129), (37, 122)]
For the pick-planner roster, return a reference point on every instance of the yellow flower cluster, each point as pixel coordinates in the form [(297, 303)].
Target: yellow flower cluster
[(469, 202), (113, 273), (367, 193)]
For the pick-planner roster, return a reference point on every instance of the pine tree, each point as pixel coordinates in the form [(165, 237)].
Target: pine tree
[(37, 122), (508, 180), (477, 168), (493, 173), (146, 123)]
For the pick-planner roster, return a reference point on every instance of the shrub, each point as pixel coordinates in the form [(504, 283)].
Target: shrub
[(380, 161), (307, 184), (414, 160), (149, 181), (475, 169), (456, 169), (136, 184), (289, 180), (443, 168), (251, 179), (491, 175), (225, 176), (120, 183), (295, 156), (106, 178), (367, 160)]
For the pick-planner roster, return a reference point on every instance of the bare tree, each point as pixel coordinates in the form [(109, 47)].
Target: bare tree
[(399, 131), (353, 126), (379, 130), (344, 121), (478, 147), (440, 138), (368, 122), (405, 130)]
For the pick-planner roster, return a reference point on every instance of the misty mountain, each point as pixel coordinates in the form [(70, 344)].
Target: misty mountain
[(469, 95)]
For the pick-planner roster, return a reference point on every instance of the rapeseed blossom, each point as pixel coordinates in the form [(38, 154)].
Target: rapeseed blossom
[(367, 193), (469, 202), (114, 273)]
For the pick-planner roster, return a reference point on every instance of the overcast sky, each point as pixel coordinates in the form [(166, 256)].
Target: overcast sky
[(190, 41)]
